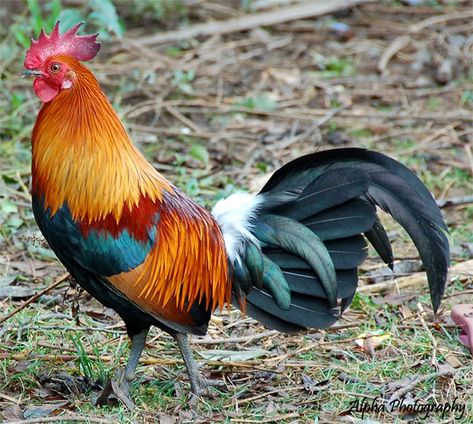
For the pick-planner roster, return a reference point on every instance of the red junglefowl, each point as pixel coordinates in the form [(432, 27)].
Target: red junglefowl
[(287, 256)]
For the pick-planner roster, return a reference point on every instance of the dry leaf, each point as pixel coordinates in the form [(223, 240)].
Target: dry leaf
[(371, 341), (231, 355), (167, 419), (453, 360), (13, 413)]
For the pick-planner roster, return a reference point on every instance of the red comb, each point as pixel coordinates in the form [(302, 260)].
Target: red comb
[(81, 47)]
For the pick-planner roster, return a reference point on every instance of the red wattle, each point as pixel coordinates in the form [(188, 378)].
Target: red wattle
[(44, 91)]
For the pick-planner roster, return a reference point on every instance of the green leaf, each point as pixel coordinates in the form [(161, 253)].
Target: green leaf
[(261, 102), (362, 302), (467, 98), (200, 153), (105, 14), (17, 100), (36, 17), (22, 39), (68, 18), (14, 222), (54, 8), (7, 206)]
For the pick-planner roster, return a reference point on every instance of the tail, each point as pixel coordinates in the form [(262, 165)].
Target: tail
[(295, 247)]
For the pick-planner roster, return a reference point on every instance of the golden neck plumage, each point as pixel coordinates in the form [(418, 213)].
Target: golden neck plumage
[(83, 156)]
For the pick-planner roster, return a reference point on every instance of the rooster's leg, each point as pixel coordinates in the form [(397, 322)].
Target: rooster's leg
[(198, 384), (137, 345), (120, 386)]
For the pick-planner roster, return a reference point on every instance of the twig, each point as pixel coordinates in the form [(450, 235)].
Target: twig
[(433, 361), (457, 271), (469, 155), (255, 365), (460, 293), (248, 338), (403, 390), (270, 419), (262, 395), (10, 399), (455, 201), (307, 114), (65, 418), (65, 328), (398, 44), (56, 283), (250, 21), (186, 121), (419, 26)]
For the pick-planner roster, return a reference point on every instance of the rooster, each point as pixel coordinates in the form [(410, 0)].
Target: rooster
[(287, 257)]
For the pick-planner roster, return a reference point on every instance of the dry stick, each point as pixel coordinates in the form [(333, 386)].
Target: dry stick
[(422, 144), (255, 365), (469, 155), (460, 293), (433, 361), (272, 419), (398, 44), (10, 399), (56, 283), (247, 22), (199, 106), (419, 26), (455, 201), (262, 395), (403, 390), (64, 418), (457, 271), (241, 339), (186, 121)]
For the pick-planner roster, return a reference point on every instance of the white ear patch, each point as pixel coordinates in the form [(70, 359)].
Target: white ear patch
[(67, 84), (235, 216)]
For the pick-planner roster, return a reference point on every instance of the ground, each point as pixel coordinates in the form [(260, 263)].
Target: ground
[(218, 113)]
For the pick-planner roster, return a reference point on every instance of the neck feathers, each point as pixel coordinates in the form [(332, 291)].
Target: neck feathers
[(83, 156)]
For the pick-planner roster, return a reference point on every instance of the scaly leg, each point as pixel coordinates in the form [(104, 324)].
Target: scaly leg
[(198, 384), (137, 345), (127, 375)]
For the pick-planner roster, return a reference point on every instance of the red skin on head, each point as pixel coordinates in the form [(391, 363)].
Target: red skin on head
[(44, 91), (42, 51), (56, 77)]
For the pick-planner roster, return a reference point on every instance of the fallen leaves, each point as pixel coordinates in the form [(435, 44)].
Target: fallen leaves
[(369, 342)]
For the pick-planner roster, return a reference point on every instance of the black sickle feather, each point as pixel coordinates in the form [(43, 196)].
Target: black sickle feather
[(310, 312), (330, 189), (306, 282), (327, 201), (348, 219), (396, 190), (379, 239)]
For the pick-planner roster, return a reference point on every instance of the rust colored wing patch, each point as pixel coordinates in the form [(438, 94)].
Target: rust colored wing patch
[(188, 263)]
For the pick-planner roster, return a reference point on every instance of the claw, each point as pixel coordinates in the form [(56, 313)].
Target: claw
[(117, 387)]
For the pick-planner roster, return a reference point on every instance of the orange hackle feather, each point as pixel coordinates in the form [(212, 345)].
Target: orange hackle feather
[(82, 154), (84, 158)]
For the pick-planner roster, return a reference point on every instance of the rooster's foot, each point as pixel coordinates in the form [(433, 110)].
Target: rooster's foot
[(200, 386), (116, 388)]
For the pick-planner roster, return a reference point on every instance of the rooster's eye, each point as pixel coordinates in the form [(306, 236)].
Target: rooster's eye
[(55, 68)]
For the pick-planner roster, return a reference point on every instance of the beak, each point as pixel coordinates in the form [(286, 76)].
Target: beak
[(31, 73)]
